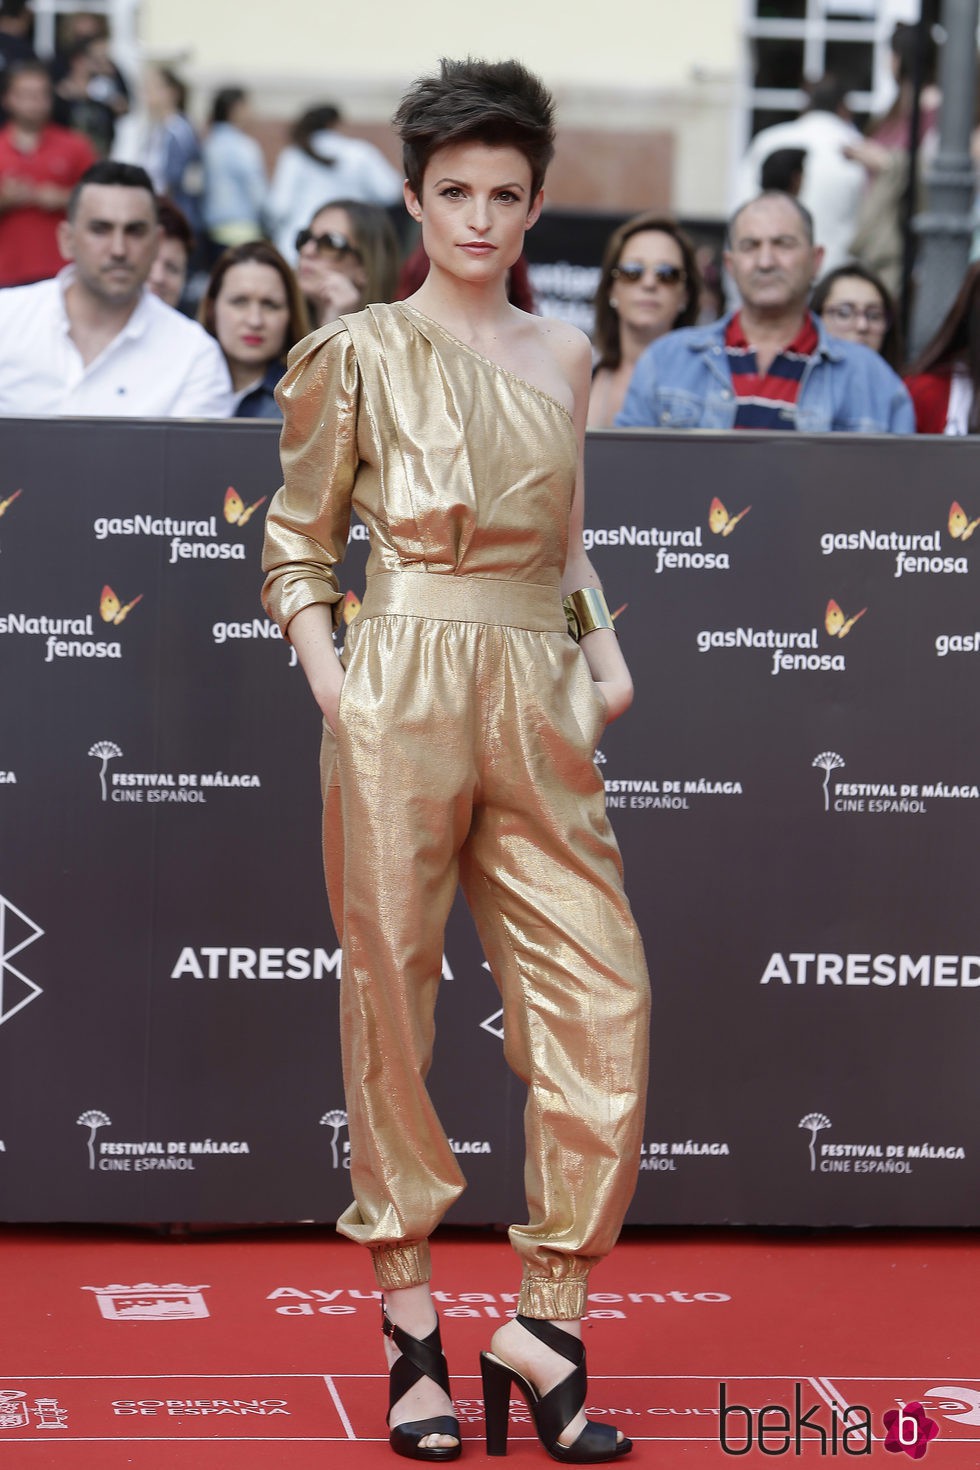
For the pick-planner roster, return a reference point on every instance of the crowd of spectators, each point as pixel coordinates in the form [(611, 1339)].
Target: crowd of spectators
[(770, 364), (92, 340), (103, 264)]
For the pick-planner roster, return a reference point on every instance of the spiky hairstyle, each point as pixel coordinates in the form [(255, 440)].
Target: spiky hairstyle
[(499, 103)]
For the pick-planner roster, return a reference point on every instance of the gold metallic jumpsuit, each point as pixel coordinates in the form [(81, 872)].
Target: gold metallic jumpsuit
[(464, 752)]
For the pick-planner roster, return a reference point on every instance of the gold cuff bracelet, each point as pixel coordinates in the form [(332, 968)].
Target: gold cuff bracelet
[(585, 611)]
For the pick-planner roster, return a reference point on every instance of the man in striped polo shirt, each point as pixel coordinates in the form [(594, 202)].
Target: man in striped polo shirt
[(770, 365)]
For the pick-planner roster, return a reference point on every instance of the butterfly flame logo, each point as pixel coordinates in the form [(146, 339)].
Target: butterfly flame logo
[(237, 513), (349, 608), (837, 624), (111, 610), (720, 522), (961, 528), (6, 504)]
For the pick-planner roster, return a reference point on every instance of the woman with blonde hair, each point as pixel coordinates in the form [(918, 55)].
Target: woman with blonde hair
[(347, 258)]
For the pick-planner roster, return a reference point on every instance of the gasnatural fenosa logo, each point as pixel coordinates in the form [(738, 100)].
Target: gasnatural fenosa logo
[(112, 609), (8, 502), (959, 525), (836, 621), (236, 512), (720, 523)]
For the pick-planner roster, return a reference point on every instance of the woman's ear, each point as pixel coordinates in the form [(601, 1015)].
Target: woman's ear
[(412, 202), (535, 209)]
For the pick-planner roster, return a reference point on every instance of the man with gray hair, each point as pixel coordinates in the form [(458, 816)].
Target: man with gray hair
[(94, 341), (770, 364)]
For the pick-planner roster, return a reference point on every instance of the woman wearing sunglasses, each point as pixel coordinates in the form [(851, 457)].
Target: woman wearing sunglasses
[(650, 284), (347, 259)]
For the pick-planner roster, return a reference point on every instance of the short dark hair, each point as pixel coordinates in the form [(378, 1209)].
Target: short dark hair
[(22, 69), (829, 94), (782, 171), (174, 224), (225, 103), (322, 118), (801, 209), (500, 103), (116, 175)]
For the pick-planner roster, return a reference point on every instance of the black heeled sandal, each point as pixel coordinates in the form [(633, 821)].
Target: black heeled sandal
[(552, 1412), (420, 1358)]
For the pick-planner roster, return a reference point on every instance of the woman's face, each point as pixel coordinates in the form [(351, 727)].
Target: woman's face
[(168, 274), (251, 314), (475, 206), (649, 286), (158, 96), (316, 260), (854, 310)]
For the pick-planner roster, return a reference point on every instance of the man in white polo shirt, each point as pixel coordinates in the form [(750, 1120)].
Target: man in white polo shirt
[(94, 341)]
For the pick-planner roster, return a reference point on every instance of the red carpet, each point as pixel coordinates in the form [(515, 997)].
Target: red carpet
[(262, 1351)]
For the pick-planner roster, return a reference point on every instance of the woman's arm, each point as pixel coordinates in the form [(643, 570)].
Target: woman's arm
[(307, 525), (601, 647), (311, 634)]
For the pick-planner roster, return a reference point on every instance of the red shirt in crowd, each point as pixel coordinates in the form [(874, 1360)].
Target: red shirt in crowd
[(930, 396), (28, 235), (768, 400)]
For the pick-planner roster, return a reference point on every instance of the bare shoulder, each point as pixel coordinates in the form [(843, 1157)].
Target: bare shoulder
[(570, 347)]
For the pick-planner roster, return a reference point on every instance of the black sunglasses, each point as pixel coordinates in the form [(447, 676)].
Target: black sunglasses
[(633, 271), (329, 243)]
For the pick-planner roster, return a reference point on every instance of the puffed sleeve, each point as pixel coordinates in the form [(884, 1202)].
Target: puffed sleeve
[(308, 522)]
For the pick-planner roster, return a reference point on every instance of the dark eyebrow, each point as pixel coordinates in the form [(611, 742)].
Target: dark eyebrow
[(463, 185), (110, 224)]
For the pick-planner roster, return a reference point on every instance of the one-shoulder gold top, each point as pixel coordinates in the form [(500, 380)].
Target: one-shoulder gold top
[(455, 465)]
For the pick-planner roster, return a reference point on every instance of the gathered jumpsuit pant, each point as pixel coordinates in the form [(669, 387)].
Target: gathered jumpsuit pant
[(463, 754)]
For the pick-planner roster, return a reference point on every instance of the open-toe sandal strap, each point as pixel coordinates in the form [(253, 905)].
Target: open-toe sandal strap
[(556, 1409), (420, 1358), (421, 1428), (555, 1338)]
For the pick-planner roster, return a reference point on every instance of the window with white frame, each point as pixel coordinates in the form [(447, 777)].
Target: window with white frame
[(788, 43)]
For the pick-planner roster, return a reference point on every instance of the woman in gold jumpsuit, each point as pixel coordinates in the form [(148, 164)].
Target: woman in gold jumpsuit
[(460, 727)]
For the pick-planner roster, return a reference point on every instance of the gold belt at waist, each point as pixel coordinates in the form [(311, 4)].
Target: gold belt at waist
[(452, 599)]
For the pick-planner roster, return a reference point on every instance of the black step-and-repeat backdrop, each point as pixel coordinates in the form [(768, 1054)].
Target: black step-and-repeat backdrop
[(796, 792)]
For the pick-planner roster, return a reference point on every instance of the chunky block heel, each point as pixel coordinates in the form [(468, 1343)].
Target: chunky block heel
[(496, 1402), (552, 1412)]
